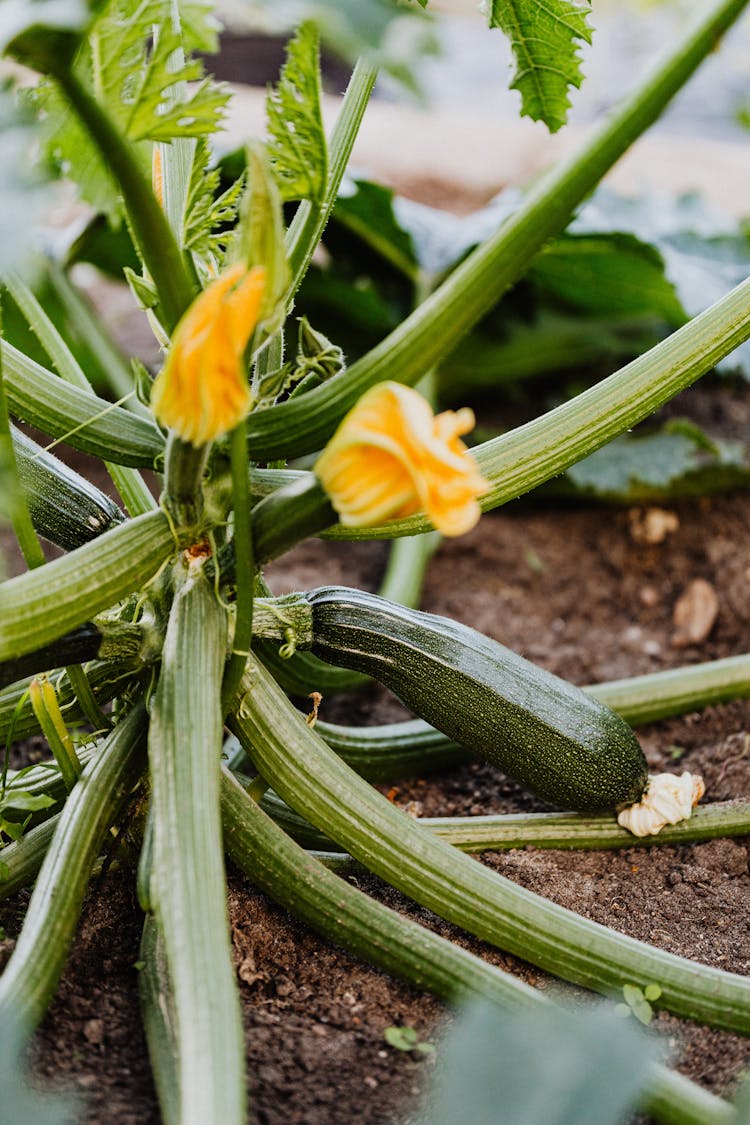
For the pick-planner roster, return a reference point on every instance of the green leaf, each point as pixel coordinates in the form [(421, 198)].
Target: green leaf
[(544, 36), (643, 1012), (406, 1039), (296, 138), (664, 465), (705, 252), (652, 991), (612, 274), (632, 994), (133, 58), (22, 189), (20, 1101), (23, 801), (368, 210), (11, 828), (562, 1068), (210, 214), (136, 69)]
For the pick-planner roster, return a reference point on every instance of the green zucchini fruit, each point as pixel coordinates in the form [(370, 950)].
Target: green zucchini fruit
[(64, 507), (569, 749)]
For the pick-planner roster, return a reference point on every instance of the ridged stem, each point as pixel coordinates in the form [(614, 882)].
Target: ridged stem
[(153, 235), (313, 781), (183, 482), (349, 918), (187, 883), (242, 540), (541, 830), (129, 482), (408, 560), (17, 715), (584, 833), (84, 421), (13, 503), (31, 975), (114, 370), (41, 605), (20, 861), (310, 219), (286, 517), (157, 1008), (302, 425)]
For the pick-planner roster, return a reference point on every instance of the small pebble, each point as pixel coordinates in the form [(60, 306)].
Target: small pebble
[(94, 1031)]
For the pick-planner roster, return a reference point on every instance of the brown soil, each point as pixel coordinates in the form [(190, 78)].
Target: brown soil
[(573, 590)]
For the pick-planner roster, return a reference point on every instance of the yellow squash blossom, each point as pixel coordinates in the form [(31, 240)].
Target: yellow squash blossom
[(202, 391), (391, 457)]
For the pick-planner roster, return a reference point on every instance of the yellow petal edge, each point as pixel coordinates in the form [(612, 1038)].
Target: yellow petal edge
[(392, 457), (202, 391)]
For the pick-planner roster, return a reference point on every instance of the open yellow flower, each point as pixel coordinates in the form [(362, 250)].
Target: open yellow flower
[(391, 457), (202, 392)]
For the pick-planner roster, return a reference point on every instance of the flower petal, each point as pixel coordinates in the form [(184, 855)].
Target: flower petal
[(391, 457), (202, 392)]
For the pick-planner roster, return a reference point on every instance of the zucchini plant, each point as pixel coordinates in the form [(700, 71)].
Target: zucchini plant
[(158, 606)]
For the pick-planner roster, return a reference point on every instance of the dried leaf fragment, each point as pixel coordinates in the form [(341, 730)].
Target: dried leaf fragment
[(694, 614)]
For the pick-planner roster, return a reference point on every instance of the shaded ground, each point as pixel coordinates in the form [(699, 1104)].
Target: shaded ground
[(574, 591)]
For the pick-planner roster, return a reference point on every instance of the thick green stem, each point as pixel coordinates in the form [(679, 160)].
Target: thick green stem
[(31, 975), (541, 830), (408, 560), (129, 482), (106, 679), (156, 242), (157, 1007), (185, 752), (659, 695), (114, 371), (183, 484), (242, 540), (301, 425), (310, 778), (348, 917), (310, 219), (21, 860), (41, 605), (80, 419), (584, 833), (293, 513), (17, 507)]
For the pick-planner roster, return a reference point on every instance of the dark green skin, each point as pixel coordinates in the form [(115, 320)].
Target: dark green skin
[(65, 508), (545, 733)]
